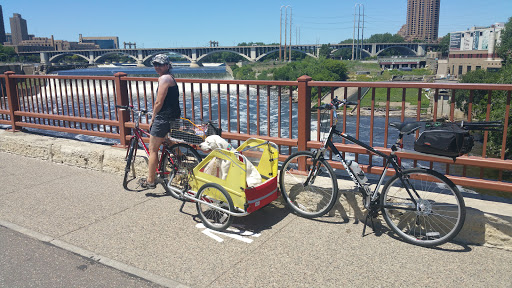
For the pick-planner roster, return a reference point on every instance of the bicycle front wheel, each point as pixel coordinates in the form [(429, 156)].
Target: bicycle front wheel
[(177, 167), (423, 207), (311, 192), (129, 159)]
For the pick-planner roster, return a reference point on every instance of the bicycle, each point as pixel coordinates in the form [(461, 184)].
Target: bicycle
[(422, 206), (175, 163)]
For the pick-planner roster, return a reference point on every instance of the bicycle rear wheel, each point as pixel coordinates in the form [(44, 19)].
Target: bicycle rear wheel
[(129, 159), (310, 193), (218, 197), (439, 212), (177, 167)]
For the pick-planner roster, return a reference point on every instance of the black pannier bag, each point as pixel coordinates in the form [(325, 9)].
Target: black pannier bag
[(447, 139)]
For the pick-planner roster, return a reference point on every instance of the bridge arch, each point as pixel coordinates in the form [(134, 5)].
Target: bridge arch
[(153, 54), (277, 50), (113, 53), (59, 56), (402, 47), (356, 51), (218, 51)]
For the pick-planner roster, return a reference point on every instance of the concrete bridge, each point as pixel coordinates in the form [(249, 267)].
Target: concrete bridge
[(252, 53)]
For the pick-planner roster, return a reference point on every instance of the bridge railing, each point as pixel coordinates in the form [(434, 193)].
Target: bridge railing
[(279, 111)]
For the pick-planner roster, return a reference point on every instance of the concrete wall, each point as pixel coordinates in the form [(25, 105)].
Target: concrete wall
[(16, 68)]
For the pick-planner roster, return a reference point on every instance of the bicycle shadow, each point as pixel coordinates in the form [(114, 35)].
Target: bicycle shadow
[(258, 221)]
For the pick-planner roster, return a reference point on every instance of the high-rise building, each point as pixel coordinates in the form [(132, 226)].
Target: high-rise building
[(422, 20), (18, 29), (2, 28)]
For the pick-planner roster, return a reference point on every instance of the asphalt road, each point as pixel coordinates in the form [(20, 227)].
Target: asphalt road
[(27, 262), (89, 213)]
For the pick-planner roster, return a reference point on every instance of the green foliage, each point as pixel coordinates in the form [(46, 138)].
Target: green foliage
[(243, 73), (77, 59), (8, 54), (379, 38), (504, 50), (480, 102), (255, 44), (344, 53), (318, 69), (347, 41), (221, 57), (385, 38), (444, 45), (296, 55), (325, 51)]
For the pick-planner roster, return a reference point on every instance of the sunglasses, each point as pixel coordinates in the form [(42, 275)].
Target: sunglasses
[(158, 64)]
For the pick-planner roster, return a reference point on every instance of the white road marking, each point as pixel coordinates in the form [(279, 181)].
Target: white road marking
[(233, 232)]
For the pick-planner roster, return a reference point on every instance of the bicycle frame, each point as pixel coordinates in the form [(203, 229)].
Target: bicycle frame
[(138, 133), (391, 159)]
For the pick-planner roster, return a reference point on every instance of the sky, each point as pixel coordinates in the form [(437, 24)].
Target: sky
[(169, 24)]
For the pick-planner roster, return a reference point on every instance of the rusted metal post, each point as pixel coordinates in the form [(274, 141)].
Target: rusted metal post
[(12, 100), (122, 99), (304, 112)]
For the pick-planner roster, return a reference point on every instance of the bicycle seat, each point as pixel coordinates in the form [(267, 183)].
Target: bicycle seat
[(406, 127)]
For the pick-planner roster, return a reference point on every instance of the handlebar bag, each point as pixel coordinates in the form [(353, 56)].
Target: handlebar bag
[(448, 139)]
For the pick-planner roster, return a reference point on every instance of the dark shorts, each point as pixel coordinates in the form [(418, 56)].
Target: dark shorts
[(161, 126)]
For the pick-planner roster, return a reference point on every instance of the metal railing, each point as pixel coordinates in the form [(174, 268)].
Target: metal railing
[(279, 111)]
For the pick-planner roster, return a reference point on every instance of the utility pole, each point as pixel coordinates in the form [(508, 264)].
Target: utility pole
[(290, 58), (280, 31), (285, 29), (354, 33), (362, 36), (354, 55)]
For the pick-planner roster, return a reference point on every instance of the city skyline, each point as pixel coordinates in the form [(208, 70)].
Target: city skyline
[(230, 22)]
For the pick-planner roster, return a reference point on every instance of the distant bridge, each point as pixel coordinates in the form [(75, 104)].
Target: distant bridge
[(252, 53)]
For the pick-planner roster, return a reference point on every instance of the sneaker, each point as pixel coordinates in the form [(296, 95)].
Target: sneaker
[(143, 182)]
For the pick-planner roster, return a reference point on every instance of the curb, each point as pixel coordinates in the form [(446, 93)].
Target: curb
[(166, 282)]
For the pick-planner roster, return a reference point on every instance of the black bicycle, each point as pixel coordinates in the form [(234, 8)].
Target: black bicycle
[(422, 206)]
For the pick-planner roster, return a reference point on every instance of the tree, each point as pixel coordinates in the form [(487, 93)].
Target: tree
[(325, 51), (498, 106), (444, 45), (385, 38), (7, 54), (504, 50), (343, 53)]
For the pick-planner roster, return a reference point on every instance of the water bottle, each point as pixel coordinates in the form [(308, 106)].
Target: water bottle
[(357, 171)]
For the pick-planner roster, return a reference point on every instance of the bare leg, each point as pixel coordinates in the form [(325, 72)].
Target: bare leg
[(154, 145)]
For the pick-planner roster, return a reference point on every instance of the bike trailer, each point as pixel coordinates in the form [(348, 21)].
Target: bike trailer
[(229, 169), (446, 139)]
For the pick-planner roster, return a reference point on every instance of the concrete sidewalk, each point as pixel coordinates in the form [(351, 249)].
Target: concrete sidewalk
[(144, 233)]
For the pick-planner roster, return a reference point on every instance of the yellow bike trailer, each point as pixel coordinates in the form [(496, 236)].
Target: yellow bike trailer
[(221, 185)]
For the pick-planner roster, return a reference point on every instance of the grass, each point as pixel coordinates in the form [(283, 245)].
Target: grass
[(411, 97), (379, 75)]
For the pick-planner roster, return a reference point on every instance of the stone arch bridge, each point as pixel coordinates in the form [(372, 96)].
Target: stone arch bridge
[(251, 53)]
